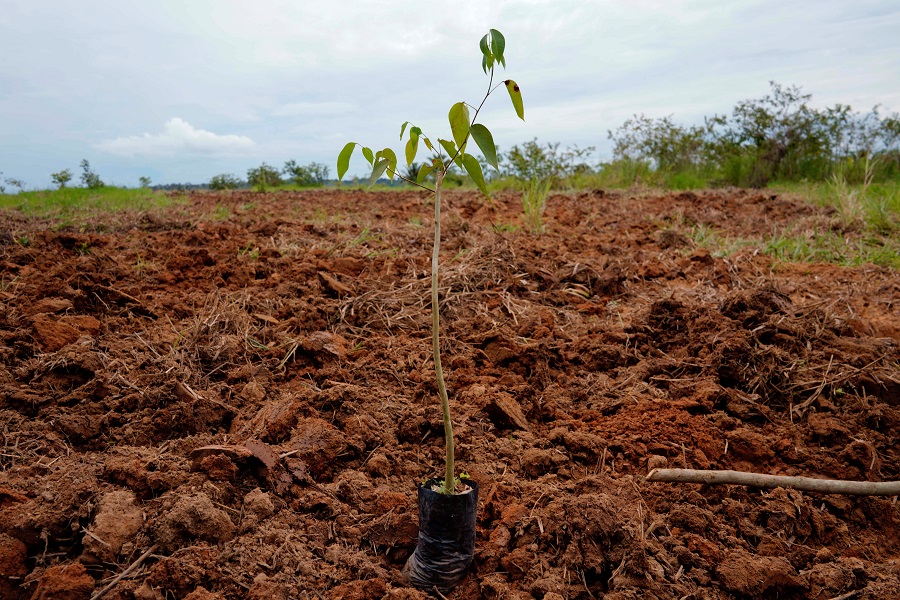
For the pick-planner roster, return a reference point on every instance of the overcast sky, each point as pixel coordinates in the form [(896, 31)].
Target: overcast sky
[(181, 90)]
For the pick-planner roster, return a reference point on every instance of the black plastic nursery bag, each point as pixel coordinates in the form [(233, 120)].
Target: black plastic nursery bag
[(446, 545)]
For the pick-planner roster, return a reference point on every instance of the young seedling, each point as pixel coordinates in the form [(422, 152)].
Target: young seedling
[(534, 202), (444, 154)]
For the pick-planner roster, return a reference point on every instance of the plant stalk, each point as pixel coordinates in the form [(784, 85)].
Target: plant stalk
[(449, 475)]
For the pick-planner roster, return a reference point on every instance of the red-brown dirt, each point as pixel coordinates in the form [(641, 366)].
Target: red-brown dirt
[(239, 390)]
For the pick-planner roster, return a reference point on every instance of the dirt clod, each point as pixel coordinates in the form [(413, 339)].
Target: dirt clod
[(64, 582), (758, 576), (506, 412), (655, 461), (117, 520), (52, 333), (12, 565), (259, 503), (193, 518), (201, 593)]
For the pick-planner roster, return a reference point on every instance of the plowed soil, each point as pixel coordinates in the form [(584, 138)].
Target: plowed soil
[(234, 398)]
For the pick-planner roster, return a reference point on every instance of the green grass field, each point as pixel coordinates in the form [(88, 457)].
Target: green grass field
[(865, 225), (76, 206)]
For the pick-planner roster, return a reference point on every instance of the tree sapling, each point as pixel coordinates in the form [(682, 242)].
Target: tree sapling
[(427, 568), (90, 179), (61, 178)]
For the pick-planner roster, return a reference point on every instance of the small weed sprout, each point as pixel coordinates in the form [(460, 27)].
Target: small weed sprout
[(851, 200), (250, 251), (220, 212), (6, 285), (534, 202), (504, 227), (445, 154)]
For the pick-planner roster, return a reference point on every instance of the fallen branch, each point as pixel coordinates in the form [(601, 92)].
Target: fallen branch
[(758, 480)]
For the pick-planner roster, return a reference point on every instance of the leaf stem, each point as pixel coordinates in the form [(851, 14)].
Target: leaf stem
[(408, 180)]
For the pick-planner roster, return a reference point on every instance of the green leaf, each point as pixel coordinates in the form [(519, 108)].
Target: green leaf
[(412, 147), (487, 61), (343, 162), (459, 123), (485, 142), (403, 128), (485, 49), (470, 163), (424, 171), (414, 134), (449, 147), (498, 45), (428, 144), (367, 152), (389, 155), (379, 169), (516, 96)]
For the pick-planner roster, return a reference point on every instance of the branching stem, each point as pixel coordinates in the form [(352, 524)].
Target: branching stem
[(408, 180)]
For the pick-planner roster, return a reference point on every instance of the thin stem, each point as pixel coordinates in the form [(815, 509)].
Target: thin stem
[(449, 475), (449, 467)]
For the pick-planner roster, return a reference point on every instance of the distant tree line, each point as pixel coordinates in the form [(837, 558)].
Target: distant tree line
[(265, 177), (260, 178), (776, 137), (179, 187)]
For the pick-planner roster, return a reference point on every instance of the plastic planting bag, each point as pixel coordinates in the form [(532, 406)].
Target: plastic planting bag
[(446, 543)]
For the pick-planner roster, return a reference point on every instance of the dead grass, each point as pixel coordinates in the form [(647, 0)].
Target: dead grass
[(466, 281), (23, 443), (227, 330)]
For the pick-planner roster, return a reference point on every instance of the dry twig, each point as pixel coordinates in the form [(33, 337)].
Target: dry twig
[(758, 480), (125, 573)]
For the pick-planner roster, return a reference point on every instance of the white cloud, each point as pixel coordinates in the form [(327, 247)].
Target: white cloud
[(178, 137)]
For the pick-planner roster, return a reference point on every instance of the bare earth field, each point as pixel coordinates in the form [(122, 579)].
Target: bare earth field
[(234, 398)]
